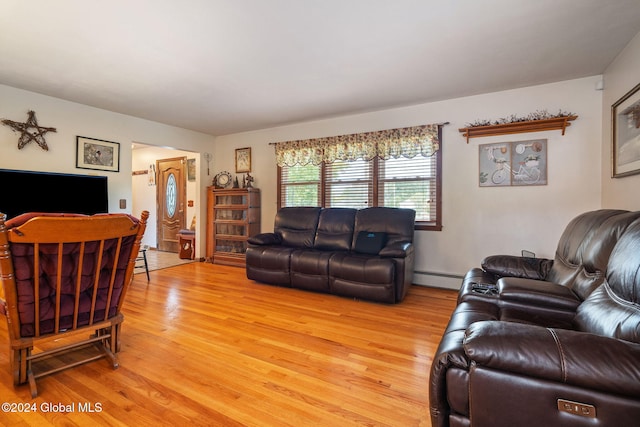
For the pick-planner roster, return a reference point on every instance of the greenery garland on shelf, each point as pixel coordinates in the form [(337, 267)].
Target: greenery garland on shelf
[(513, 118)]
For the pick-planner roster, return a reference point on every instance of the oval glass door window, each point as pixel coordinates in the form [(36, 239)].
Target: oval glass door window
[(172, 195)]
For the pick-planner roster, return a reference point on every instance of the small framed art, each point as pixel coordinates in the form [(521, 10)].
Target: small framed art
[(625, 125), (191, 169), (97, 154), (243, 160)]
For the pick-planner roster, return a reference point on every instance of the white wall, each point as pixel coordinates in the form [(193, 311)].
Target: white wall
[(72, 119), (620, 77), (476, 221)]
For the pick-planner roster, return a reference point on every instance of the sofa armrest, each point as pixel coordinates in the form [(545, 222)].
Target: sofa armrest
[(397, 250), (516, 266), (538, 293), (264, 239), (571, 357)]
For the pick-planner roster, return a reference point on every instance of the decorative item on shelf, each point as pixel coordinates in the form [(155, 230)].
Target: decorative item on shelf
[(236, 184), (243, 160), (535, 122), (24, 129), (625, 126), (247, 181), (222, 180)]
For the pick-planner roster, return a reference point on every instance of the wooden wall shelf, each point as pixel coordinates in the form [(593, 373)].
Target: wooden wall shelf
[(557, 123)]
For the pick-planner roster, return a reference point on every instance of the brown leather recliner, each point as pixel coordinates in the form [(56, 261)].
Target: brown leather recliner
[(560, 284), (523, 309), (322, 250)]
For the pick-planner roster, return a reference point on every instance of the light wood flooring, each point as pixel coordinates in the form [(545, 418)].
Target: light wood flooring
[(204, 346), (157, 260)]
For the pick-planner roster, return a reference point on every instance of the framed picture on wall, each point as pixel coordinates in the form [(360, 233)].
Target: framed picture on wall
[(191, 169), (97, 154), (625, 126), (518, 163), (243, 160)]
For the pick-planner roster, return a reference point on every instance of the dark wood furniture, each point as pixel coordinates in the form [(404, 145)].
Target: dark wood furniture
[(233, 215)]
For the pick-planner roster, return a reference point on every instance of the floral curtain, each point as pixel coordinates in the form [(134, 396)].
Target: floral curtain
[(406, 142)]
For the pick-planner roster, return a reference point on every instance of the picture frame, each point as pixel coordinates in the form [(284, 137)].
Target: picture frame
[(625, 140), (191, 169), (513, 163), (243, 160), (97, 154)]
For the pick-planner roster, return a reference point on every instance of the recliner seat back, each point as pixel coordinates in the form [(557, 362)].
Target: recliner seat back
[(335, 229), (613, 309), (397, 223), (296, 226), (585, 246)]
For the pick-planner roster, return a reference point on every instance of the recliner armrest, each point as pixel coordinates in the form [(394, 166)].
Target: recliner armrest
[(538, 293), (264, 239), (571, 357), (516, 266), (396, 250)]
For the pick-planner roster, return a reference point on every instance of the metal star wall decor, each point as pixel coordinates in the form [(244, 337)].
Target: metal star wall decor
[(26, 136)]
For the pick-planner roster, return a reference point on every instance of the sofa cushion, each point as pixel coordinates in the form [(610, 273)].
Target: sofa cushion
[(397, 223), (297, 226), (362, 268), (269, 264), (370, 242), (335, 229), (587, 242), (310, 269), (613, 310), (362, 276)]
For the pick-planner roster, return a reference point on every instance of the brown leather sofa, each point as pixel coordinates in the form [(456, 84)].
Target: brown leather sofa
[(359, 253), (547, 342)]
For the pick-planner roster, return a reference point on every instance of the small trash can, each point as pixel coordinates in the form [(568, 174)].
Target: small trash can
[(187, 240)]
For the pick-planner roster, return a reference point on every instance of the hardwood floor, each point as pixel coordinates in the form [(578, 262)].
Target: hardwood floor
[(203, 345)]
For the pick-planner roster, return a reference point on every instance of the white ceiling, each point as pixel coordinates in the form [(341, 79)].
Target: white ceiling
[(226, 66)]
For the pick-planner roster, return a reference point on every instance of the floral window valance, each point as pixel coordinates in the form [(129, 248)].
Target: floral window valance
[(406, 142)]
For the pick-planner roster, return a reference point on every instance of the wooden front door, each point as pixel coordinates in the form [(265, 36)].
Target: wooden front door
[(171, 194)]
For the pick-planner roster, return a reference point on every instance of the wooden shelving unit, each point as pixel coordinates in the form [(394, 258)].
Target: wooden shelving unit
[(233, 215), (557, 123)]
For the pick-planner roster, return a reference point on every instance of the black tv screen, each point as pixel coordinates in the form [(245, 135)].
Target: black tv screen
[(28, 191)]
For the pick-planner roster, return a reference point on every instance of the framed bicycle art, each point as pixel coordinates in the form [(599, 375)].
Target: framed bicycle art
[(517, 163)]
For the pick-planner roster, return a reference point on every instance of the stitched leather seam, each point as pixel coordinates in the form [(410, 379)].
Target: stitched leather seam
[(566, 263), (563, 367), (617, 299)]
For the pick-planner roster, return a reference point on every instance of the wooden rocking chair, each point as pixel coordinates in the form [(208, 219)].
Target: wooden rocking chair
[(63, 276)]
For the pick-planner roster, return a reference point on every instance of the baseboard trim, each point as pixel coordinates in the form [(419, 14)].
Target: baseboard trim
[(437, 279)]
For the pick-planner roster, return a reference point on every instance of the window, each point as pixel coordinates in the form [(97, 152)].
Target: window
[(300, 186), (400, 181)]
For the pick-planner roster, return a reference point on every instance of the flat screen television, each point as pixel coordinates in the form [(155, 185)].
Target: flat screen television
[(28, 191)]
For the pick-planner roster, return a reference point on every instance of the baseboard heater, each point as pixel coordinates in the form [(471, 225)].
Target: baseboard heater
[(437, 279)]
